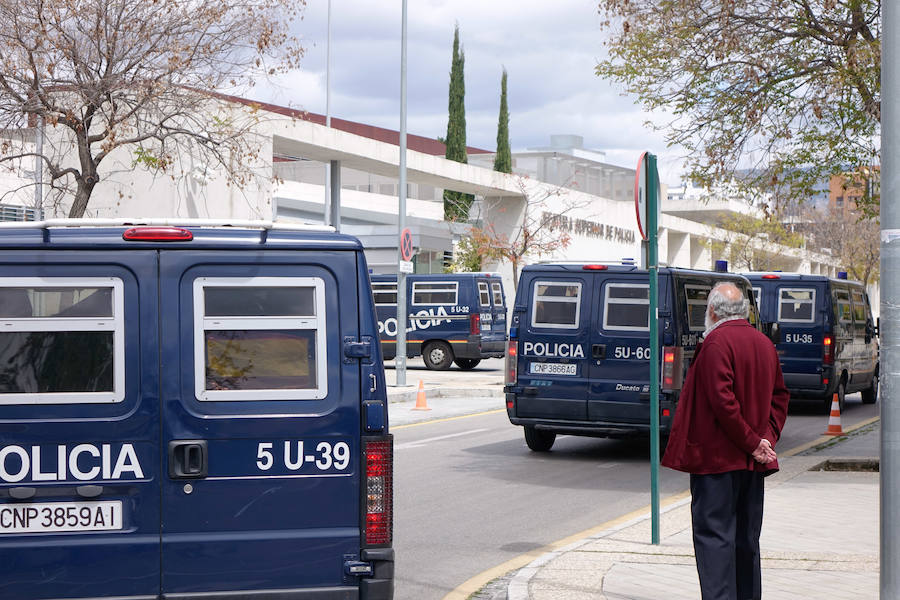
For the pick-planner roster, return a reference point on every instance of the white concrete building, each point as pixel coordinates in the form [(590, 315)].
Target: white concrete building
[(569, 189)]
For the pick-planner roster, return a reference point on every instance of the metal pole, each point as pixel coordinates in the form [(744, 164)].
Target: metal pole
[(329, 165), (890, 308), (400, 362), (652, 260), (38, 168)]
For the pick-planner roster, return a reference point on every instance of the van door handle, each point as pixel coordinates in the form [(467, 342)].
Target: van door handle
[(188, 459), (598, 351)]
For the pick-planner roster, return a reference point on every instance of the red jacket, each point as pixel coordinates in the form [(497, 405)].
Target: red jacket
[(733, 396)]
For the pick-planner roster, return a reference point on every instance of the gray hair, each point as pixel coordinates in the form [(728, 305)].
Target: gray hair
[(723, 307)]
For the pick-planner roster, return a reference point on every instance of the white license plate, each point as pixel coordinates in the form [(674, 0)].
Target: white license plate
[(50, 517), (553, 368)]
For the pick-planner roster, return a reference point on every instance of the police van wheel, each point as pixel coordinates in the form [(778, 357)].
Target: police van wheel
[(539, 441), (841, 391), (467, 364), (871, 394), (438, 356)]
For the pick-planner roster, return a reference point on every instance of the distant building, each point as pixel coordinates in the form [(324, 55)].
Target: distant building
[(846, 192)]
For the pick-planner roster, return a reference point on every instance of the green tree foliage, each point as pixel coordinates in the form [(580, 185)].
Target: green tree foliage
[(457, 204), (788, 89), (503, 158), (747, 241)]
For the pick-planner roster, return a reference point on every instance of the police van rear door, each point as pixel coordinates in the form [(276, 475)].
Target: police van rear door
[(802, 332), (620, 348), (554, 338), (261, 420), (79, 422)]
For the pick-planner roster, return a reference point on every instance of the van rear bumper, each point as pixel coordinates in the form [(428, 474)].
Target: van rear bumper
[(603, 429), (475, 347), (807, 385)]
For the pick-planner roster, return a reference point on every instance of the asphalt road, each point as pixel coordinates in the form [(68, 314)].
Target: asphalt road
[(469, 495)]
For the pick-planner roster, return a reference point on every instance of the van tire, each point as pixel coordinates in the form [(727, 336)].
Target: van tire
[(538, 440), (467, 364), (841, 392), (870, 394), (438, 356)]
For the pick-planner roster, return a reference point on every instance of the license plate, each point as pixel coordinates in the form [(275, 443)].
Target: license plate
[(51, 517), (553, 368)]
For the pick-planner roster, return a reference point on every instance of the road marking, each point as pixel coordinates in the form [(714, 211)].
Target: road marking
[(438, 438), (473, 584), (444, 420)]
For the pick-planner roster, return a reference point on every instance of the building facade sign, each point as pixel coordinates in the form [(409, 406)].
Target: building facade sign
[(586, 228)]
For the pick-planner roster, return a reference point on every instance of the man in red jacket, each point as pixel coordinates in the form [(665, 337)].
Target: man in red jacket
[(729, 417)]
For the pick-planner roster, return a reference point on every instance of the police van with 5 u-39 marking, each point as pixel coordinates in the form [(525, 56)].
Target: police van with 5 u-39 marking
[(191, 412), (578, 360)]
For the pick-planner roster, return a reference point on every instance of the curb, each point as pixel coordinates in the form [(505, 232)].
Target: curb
[(517, 589), (400, 395), (518, 585)]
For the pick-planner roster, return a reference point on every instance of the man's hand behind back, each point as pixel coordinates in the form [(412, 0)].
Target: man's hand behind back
[(764, 452)]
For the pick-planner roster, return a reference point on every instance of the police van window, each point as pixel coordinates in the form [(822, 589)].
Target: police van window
[(435, 292), (696, 297), (484, 296), (61, 340), (556, 305), (626, 307), (842, 306), (757, 296), (796, 305), (259, 338), (859, 308), (498, 293), (384, 293)]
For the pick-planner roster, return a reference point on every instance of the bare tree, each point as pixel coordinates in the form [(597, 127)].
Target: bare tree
[(855, 243), (537, 234), (746, 239), (136, 74)]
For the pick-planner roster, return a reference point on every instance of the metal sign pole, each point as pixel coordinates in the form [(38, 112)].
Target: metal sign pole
[(652, 261), (400, 361), (890, 313)]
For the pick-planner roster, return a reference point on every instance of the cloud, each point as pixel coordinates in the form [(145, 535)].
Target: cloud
[(549, 50)]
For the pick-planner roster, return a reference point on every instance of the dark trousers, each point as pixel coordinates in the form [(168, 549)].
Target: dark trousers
[(727, 510)]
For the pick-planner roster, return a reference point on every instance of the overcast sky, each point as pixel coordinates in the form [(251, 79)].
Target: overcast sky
[(549, 49)]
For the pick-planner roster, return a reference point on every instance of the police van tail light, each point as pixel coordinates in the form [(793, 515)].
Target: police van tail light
[(512, 362), (475, 324), (379, 491), (672, 372), (828, 350)]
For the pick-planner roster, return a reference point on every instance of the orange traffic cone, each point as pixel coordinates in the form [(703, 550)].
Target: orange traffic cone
[(834, 420), (421, 403)]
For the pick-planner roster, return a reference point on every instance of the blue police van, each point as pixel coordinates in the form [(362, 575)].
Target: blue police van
[(578, 360), (191, 412), (453, 317), (824, 332)]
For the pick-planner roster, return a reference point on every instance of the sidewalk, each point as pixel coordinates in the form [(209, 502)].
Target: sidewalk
[(820, 539), (485, 380)]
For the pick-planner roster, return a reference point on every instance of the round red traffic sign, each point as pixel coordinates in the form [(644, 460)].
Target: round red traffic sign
[(406, 244)]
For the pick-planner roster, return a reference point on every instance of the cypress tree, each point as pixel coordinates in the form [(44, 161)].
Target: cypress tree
[(503, 157), (456, 204)]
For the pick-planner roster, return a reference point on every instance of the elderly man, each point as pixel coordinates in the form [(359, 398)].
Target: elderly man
[(729, 417)]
